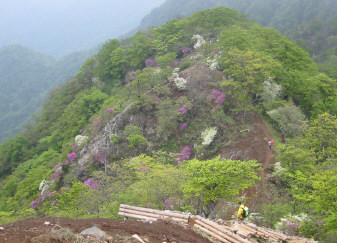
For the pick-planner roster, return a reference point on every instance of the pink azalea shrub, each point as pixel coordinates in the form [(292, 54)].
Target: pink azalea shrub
[(58, 166), (34, 204), (185, 154), (167, 204), (217, 96), (151, 62), (109, 110), (182, 125), (92, 184), (182, 110), (71, 156)]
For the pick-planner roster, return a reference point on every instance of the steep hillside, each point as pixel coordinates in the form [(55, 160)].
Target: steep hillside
[(26, 77), (173, 117)]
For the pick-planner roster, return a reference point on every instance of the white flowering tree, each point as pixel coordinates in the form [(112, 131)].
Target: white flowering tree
[(208, 135), (198, 40), (178, 81)]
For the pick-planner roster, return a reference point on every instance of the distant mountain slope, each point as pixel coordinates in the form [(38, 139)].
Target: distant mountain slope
[(25, 79), (282, 15), (65, 26), (312, 24)]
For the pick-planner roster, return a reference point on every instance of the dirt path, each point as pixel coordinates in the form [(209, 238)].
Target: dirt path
[(253, 145), (268, 154)]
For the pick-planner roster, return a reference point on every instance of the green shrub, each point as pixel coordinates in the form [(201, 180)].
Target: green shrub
[(136, 140), (133, 135), (289, 119), (114, 139)]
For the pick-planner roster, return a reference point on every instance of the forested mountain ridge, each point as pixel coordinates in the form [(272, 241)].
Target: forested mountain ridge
[(26, 77), (312, 24), (283, 15), (156, 120)]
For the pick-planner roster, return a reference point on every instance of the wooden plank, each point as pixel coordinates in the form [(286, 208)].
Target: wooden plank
[(167, 213), (278, 235), (138, 238), (164, 217), (215, 231), (259, 232), (215, 225), (137, 216), (211, 234), (151, 215)]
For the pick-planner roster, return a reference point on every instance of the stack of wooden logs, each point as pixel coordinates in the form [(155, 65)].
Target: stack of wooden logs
[(148, 214), (234, 233), (248, 230), (217, 231)]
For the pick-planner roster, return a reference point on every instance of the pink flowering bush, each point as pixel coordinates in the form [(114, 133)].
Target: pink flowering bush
[(151, 62), (109, 110), (185, 154), (182, 110), (58, 166), (217, 96), (99, 158), (182, 125), (173, 203), (92, 184), (34, 204), (56, 176), (71, 157), (167, 204)]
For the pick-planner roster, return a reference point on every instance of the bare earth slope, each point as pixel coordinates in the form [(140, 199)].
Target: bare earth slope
[(34, 230)]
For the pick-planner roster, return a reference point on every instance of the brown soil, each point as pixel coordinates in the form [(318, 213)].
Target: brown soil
[(253, 145), (34, 230)]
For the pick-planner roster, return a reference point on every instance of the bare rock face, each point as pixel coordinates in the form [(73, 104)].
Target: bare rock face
[(101, 142)]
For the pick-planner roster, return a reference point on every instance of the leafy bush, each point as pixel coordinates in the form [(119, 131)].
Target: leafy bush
[(167, 59), (114, 139), (133, 135), (289, 120), (167, 118), (136, 140)]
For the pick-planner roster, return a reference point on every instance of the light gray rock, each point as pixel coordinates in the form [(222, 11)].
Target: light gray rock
[(94, 231), (101, 142)]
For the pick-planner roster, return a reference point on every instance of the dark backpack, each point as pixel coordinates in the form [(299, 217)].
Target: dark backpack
[(245, 212)]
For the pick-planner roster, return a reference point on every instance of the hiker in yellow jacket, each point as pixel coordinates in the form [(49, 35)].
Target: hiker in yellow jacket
[(241, 211)]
